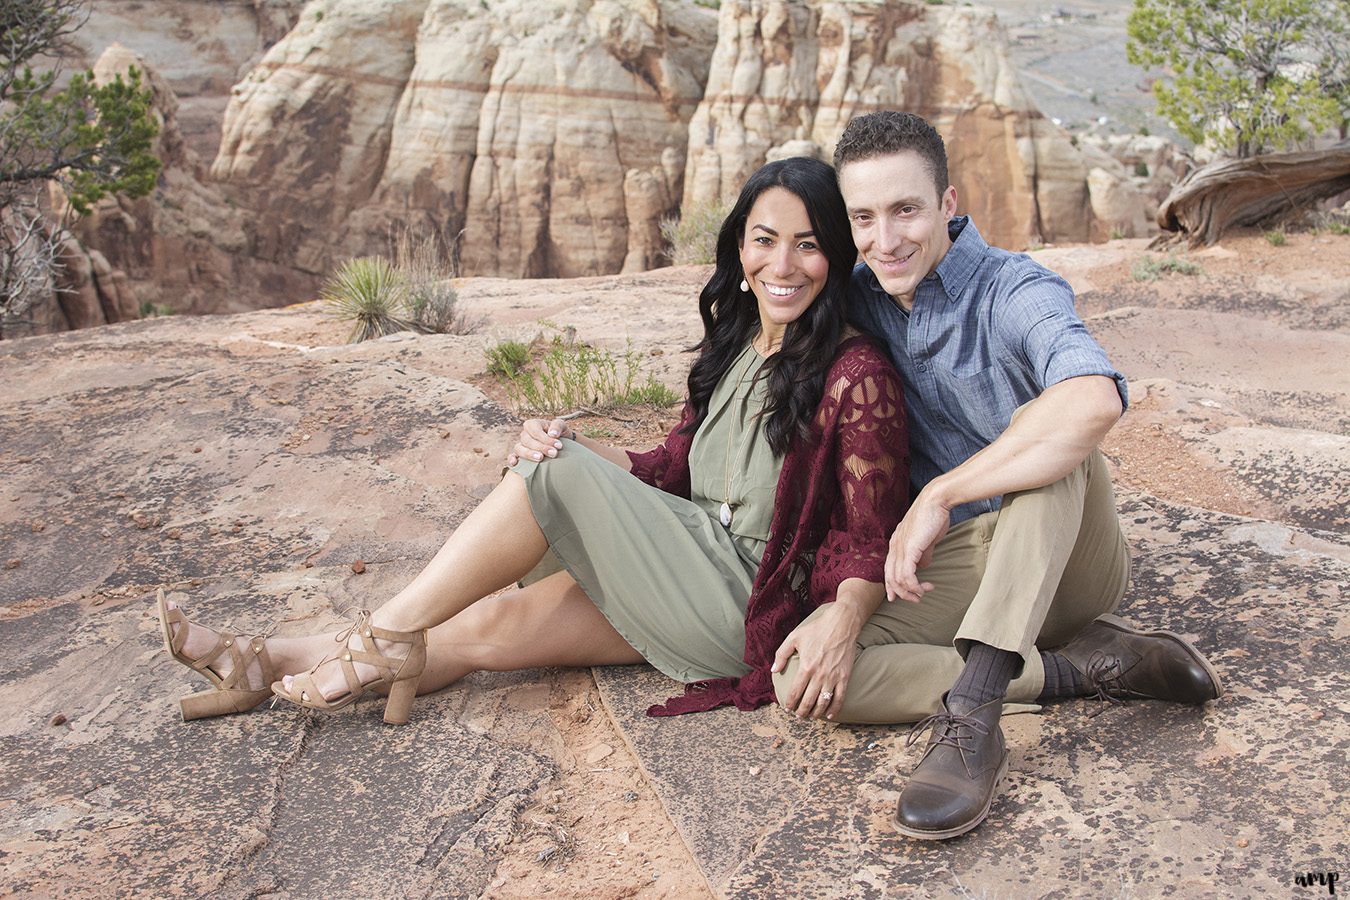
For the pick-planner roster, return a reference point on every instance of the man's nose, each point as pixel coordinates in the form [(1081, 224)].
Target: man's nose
[(889, 235)]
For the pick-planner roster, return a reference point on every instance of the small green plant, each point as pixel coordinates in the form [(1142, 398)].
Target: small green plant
[(1141, 169), (569, 375), (1117, 233), (370, 293), (1276, 237), (1338, 227), (652, 393), (508, 359), (1151, 269), (151, 310), (692, 238)]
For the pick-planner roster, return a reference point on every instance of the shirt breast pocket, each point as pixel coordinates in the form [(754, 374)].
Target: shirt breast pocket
[(978, 400)]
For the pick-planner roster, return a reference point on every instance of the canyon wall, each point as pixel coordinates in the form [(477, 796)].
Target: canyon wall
[(517, 126), (546, 139), (790, 74)]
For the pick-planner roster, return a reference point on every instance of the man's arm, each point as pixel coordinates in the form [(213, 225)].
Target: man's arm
[(1046, 440)]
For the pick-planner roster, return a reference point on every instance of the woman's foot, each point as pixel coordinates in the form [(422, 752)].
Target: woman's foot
[(239, 668), (367, 658), (201, 640)]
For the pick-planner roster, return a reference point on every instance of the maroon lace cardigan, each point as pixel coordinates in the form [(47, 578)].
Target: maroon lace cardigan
[(840, 494)]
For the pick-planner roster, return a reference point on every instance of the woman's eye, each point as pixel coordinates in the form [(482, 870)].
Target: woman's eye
[(806, 245)]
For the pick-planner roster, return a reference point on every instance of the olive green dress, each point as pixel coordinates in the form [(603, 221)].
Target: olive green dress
[(666, 573)]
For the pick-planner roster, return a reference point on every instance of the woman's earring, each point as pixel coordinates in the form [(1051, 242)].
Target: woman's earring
[(745, 287)]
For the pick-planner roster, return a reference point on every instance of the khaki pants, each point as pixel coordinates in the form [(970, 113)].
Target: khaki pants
[(1031, 574)]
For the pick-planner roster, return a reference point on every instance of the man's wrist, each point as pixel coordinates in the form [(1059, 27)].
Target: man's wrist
[(939, 492)]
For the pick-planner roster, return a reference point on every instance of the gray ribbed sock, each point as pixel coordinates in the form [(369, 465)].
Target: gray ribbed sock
[(986, 677), (1062, 680)]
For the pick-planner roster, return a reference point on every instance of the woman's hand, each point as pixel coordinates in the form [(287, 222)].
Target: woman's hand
[(539, 439), (826, 648)]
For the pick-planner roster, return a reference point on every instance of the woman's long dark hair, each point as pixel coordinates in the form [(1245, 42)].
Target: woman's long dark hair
[(796, 373)]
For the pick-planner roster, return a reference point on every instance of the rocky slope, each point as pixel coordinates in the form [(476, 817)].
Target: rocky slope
[(245, 462)]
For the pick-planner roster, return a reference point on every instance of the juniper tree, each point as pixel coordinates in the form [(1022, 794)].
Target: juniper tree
[(1248, 75), (87, 140)]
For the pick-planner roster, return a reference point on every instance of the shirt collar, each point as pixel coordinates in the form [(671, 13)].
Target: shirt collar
[(955, 269), (962, 259)]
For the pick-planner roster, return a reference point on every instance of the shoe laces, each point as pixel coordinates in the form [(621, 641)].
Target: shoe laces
[(1104, 673), (947, 730), (341, 638)]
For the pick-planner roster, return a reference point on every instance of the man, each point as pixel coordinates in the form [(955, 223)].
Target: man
[(1011, 547)]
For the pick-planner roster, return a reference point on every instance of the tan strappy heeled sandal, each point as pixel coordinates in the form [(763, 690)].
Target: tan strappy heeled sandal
[(232, 693), (400, 674)]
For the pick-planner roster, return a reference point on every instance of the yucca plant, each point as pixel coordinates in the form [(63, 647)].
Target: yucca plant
[(372, 294)]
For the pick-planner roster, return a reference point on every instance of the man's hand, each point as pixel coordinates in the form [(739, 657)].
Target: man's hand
[(539, 439), (912, 547), (826, 648)]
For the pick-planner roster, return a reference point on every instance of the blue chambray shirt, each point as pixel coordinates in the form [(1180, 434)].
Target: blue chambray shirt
[(989, 331)]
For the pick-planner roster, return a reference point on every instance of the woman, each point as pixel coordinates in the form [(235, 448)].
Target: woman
[(776, 492)]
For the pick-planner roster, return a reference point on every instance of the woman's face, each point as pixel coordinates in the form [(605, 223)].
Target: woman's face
[(783, 263)]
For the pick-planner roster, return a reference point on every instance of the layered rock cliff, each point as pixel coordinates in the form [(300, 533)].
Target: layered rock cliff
[(518, 126), (791, 71), (553, 139), (200, 47)]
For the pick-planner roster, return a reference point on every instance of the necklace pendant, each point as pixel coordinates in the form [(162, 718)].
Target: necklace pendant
[(724, 514)]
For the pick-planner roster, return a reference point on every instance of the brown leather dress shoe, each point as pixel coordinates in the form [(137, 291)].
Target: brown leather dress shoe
[(1124, 663), (953, 785)]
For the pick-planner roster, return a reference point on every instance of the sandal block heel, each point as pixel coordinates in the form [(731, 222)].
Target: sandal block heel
[(398, 707)]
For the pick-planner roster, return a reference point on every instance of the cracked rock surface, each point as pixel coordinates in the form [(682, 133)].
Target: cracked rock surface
[(246, 462)]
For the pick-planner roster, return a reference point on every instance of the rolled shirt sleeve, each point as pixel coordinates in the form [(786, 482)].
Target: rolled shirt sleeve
[(1036, 321)]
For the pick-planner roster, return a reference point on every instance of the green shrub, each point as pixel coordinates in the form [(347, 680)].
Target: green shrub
[(1141, 169), (431, 295), (571, 376), (373, 295), (151, 310), (1276, 237), (508, 359), (691, 240), (1149, 269)]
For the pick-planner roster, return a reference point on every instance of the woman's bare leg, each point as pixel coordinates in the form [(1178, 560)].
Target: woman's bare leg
[(498, 544), (550, 623)]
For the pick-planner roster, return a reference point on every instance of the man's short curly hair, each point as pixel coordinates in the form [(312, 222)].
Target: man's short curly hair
[(891, 131)]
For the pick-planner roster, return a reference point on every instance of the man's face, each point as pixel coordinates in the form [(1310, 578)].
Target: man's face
[(898, 219)]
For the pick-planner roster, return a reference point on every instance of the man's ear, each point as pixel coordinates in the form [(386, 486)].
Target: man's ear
[(949, 202)]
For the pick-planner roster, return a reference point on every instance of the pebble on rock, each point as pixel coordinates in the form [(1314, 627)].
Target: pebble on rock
[(358, 567)]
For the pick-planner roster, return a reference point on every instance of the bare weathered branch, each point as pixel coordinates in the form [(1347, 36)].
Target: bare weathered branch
[(1258, 191)]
